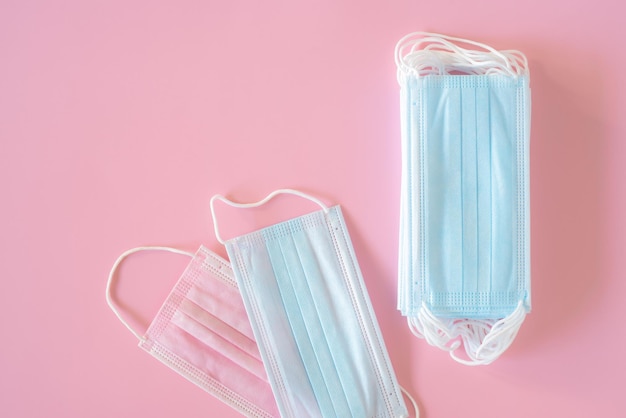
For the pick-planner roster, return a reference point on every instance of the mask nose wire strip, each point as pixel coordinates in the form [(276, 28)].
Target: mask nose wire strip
[(406, 393), (257, 204), (111, 279)]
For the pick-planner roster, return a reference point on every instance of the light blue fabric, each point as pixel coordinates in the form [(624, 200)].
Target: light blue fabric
[(313, 320), (464, 248)]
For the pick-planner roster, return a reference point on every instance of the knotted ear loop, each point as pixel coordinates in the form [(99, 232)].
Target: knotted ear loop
[(109, 297), (420, 54)]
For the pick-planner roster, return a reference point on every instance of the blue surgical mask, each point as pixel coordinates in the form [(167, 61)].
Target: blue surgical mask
[(312, 318), (464, 264)]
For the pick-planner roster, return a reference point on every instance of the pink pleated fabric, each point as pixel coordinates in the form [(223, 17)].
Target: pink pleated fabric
[(202, 331)]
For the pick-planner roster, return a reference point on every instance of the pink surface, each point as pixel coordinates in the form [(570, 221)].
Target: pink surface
[(118, 121)]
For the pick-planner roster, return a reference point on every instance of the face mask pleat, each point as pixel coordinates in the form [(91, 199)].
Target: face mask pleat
[(504, 209), (201, 332), (276, 341), (469, 180), (211, 362), (306, 325), (444, 208), (484, 199), (219, 328), (223, 302)]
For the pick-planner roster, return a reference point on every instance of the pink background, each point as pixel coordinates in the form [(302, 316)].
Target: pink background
[(119, 120)]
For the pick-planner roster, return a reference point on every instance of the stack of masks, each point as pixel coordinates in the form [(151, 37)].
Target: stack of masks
[(464, 254)]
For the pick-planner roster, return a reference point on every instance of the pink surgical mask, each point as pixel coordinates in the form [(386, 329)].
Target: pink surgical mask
[(203, 333)]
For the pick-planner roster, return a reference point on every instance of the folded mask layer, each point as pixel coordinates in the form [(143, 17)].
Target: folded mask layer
[(464, 265)]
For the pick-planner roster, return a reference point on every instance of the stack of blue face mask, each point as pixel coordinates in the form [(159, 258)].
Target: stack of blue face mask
[(464, 262)]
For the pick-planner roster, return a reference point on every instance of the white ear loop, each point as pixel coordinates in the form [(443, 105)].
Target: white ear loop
[(417, 411), (125, 254), (257, 204), (484, 340), (423, 53)]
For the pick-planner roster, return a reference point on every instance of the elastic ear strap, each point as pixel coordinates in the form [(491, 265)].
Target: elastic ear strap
[(109, 298), (257, 204), (422, 46), (496, 341), (437, 37), (406, 393)]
